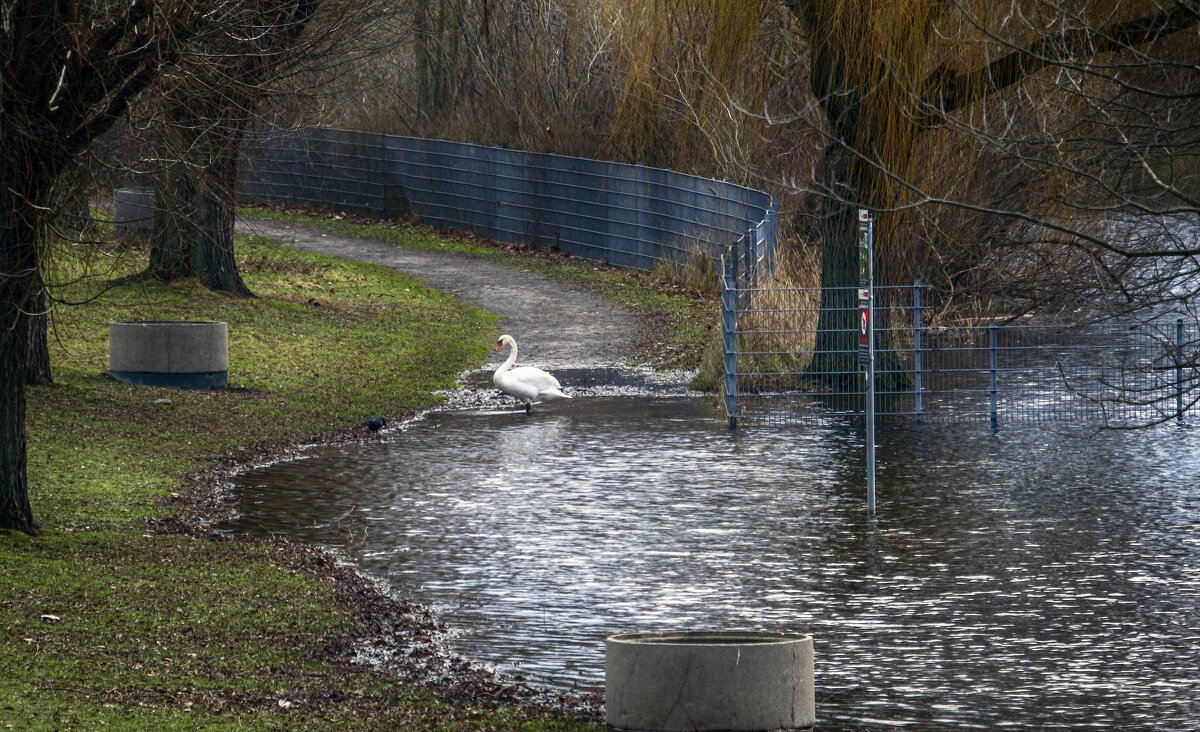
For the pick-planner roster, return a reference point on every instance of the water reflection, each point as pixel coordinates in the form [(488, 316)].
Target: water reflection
[(1015, 578)]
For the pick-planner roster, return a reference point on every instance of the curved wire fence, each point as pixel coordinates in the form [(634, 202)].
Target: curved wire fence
[(626, 215), (779, 367)]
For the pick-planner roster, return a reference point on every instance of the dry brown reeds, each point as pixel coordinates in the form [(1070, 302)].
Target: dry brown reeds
[(776, 324)]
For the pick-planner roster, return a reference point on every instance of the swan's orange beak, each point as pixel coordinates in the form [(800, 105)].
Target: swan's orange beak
[(499, 345)]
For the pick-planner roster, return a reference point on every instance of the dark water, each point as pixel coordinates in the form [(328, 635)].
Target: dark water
[(1018, 578)]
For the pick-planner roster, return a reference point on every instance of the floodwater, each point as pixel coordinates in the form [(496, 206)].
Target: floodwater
[(1014, 578)]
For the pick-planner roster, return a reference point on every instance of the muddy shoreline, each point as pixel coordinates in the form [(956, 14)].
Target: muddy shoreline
[(395, 637)]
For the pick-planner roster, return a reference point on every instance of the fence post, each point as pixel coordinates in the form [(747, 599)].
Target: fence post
[(748, 255), (917, 349), (866, 338), (733, 268), (772, 236), (993, 368), (1179, 369), (639, 199), (729, 285)]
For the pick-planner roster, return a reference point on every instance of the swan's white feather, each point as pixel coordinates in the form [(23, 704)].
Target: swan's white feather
[(529, 384)]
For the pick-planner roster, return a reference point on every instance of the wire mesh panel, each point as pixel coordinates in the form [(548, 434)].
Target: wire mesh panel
[(789, 370), (328, 168), (627, 215)]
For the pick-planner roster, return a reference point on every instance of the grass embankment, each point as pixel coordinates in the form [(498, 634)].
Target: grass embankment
[(108, 621)]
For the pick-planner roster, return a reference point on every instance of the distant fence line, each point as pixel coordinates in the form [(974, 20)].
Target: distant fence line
[(626, 215)]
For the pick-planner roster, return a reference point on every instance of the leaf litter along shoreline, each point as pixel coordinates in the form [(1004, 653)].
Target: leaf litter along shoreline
[(397, 637)]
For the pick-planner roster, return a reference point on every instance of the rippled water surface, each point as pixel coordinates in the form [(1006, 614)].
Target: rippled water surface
[(1014, 578)]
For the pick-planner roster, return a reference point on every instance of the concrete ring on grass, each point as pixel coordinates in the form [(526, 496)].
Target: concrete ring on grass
[(133, 213), (723, 680), (184, 354)]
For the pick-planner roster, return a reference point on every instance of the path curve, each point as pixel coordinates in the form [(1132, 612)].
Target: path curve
[(555, 324)]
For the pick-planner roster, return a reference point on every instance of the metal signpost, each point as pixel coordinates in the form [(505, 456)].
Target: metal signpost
[(866, 341)]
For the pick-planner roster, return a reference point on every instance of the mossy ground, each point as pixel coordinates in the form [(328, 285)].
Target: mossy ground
[(110, 621)]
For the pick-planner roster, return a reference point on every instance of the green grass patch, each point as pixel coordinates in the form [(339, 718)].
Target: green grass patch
[(325, 345), (107, 624)]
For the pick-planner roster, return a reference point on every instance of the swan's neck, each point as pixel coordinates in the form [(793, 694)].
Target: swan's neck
[(512, 358)]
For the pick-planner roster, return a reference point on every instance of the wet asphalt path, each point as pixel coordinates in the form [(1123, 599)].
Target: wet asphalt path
[(555, 324)]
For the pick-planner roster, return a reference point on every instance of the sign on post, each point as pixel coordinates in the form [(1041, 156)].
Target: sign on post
[(864, 327), (864, 286)]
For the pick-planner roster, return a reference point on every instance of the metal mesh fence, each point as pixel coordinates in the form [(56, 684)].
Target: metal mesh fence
[(788, 357), (626, 215), (782, 368)]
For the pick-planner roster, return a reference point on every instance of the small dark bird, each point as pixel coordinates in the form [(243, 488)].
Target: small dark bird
[(375, 423)]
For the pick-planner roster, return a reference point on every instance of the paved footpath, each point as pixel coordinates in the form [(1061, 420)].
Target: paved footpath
[(556, 325)]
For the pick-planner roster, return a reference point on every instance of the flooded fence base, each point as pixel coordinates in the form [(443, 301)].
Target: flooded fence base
[(785, 365)]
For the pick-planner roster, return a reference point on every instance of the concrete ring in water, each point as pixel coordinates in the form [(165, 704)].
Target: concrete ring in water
[(703, 680)]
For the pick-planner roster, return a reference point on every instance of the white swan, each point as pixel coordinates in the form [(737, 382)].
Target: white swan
[(525, 382)]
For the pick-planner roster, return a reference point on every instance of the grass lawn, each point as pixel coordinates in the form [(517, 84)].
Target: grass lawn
[(116, 617)]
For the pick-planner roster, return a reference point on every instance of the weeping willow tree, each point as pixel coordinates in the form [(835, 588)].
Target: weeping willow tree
[(864, 57), (888, 75), (683, 62), (886, 79), (861, 57)]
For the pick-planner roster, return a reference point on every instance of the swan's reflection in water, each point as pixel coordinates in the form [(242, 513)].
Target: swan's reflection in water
[(1017, 577)]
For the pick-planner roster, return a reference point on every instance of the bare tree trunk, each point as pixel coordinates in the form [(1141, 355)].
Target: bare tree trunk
[(201, 123), (37, 367), (850, 182), (835, 359), (835, 354), (195, 196), (18, 250), (212, 248), (73, 224), (170, 243)]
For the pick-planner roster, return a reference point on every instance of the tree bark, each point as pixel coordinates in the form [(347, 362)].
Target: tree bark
[(18, 250), (835, 353), (73, 224), (212, 249), (195, 196), (852, 178), (37, 365), (201, 124), (171, 233)]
